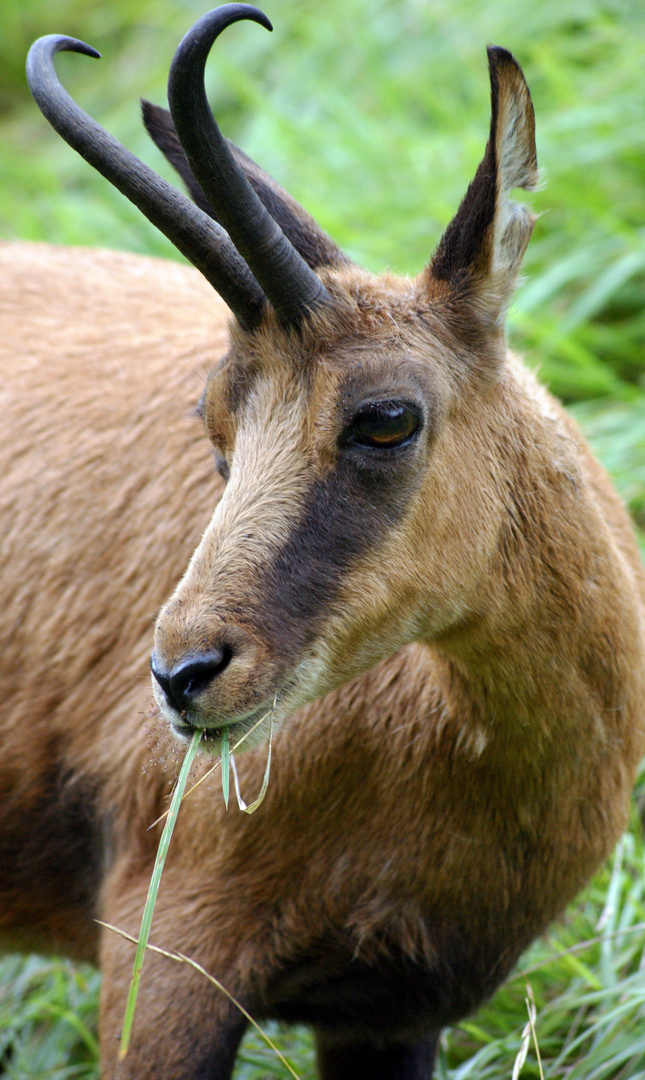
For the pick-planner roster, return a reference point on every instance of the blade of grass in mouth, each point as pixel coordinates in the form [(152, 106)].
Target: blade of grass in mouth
[(217, 764), (225, 754)]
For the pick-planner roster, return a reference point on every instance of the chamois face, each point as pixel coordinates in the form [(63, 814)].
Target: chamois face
[(354, 421), (346, 481)]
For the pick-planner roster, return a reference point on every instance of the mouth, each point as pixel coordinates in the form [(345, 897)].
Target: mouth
[(245, 732), (210, 736)]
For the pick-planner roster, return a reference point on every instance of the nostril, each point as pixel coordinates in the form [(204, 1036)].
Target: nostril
[(187, 680)]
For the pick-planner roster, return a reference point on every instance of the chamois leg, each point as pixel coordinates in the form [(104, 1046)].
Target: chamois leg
[(393, 1061), (184, 1027)]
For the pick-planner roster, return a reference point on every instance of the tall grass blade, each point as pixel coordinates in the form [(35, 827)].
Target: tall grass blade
[(153, 889)]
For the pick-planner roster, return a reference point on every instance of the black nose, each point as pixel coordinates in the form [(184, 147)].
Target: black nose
[(187, 680)]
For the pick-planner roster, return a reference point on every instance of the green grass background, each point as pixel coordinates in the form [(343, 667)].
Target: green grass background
[(375, 116)]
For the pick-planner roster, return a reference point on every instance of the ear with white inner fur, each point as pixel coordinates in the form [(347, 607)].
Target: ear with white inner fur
[(479, 256)]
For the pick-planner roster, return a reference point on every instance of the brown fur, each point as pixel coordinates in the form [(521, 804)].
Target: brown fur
[(452, 637)]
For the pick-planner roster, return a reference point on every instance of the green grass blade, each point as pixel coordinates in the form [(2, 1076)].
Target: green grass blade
[(153, 889), (225, 751)]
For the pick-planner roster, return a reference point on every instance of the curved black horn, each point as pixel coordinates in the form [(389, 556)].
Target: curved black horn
[(194, 233), (292, 287)]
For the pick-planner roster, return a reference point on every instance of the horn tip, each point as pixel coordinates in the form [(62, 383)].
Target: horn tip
[(53, 43)]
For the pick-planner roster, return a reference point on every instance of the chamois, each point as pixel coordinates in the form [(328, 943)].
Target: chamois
[(416, 571)]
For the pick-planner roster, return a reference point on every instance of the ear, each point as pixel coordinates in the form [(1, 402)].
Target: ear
[(479, 256), (316, 248)]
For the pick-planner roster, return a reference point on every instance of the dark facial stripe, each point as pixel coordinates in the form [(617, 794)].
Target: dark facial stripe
[(344, 515)]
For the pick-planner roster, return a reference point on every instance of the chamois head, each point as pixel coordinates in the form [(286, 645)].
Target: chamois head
[(352, 417)]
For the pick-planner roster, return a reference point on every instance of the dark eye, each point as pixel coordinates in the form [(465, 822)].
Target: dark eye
[(384, 424)]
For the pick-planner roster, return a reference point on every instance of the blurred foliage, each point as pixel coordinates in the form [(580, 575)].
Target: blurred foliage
[(48, 1019), (375, 117)]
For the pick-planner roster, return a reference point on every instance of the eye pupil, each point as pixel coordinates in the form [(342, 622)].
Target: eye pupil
[(384, 424)]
